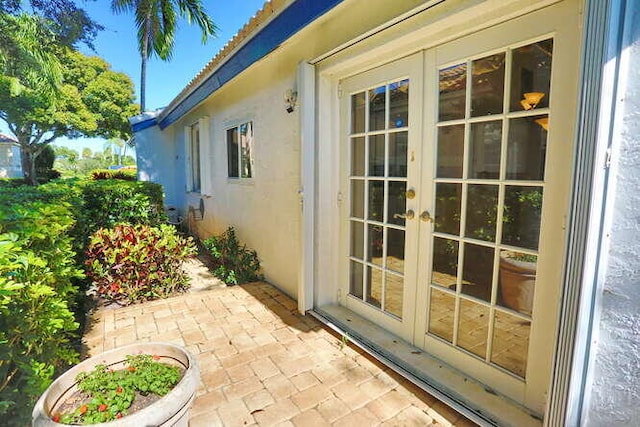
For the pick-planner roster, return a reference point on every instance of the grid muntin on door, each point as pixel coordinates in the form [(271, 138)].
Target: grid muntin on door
[(378, 149), (491, 146)]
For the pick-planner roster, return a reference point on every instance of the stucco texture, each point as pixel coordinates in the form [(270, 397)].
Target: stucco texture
[(615, 392)]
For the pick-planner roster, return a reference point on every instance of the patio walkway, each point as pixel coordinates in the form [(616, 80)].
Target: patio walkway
[(264, 364)]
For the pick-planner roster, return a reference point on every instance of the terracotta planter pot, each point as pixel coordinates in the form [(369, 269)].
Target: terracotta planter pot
[(171, 410), (517, 283)]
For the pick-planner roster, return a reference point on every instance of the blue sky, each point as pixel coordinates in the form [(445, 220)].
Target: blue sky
[(118, 46)]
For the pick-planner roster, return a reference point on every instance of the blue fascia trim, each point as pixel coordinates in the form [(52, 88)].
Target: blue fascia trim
[(144, 125), (291, 20)]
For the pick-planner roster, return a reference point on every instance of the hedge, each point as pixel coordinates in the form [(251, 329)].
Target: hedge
[(43, 236)]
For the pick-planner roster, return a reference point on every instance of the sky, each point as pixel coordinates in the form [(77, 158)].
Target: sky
[(117, 44)]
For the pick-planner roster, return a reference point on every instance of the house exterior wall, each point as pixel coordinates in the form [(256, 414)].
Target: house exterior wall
[(266, 210), (156, 160), (10, 164), (614, 388)]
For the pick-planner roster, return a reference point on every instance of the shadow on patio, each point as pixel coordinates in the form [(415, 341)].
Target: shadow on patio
[(263, 363)]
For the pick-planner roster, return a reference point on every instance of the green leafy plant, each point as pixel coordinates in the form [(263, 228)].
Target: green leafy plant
[(232, 262), (134, 263), (38, 272), (110, 393), (43, 236), (109, 202)]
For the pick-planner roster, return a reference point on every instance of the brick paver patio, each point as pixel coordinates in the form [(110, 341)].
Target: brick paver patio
[(264, 364)]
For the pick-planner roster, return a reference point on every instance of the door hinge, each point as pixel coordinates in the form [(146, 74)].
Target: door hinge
[(339, 198), (339, 295), (339, 91)]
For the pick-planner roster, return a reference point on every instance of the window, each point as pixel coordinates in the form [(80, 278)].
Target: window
[(240, 151), (194, 157)]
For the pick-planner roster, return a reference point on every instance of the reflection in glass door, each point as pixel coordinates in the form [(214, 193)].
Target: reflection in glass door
[(378, 141), (492, 123)]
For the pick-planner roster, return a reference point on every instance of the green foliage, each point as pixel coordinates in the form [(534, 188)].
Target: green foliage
[(68, 23), (37, 293), (42, 240), (126, 174), (130, 264), (91, 100), (44, 165), (28, 52), (109, 202), (46, 158), (112, 392), (233, 263)]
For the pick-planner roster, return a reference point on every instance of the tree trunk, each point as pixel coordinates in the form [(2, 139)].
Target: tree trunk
[(143, 66), (143, 73), (28, 165)]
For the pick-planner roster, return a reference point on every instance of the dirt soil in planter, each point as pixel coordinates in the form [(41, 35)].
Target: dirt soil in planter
[(79, 398)]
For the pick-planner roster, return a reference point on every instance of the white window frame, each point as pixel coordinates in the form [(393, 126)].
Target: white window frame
[(241, 173), (203, 157)]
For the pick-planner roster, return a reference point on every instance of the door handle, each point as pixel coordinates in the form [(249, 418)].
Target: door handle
[(409, 215), (426, 216)]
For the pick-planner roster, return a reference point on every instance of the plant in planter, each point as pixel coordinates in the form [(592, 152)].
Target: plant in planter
[(108, 394), (517, 280), (140, 384)]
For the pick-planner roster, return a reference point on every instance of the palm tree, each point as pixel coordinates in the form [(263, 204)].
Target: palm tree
[(28, 51), (156, 24)]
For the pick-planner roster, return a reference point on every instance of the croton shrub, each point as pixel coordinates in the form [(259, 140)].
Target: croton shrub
[(135, 263), (125, 174)]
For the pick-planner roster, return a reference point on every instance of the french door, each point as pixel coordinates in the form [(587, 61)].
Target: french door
[(383, 121), (457, 180)]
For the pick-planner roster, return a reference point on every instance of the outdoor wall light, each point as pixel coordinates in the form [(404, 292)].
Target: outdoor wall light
[(290, 98)]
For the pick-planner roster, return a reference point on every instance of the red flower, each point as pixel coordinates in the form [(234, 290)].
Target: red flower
[(56, 418), (119, 390), (83, 409), (119, 415), (102, 408), (131, 369), (156, 357)]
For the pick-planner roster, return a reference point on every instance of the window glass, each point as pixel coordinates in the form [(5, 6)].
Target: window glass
[(246, 150), (232, 152), (240, 162), (194, 149)]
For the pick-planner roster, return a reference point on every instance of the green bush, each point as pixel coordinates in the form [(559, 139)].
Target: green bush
[(129, 264), (125, 174), (233, 263), (109, 202), (43, 236), (38, 271)]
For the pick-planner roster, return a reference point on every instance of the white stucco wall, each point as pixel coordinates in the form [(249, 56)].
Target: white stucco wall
[(264, 209), (10, 164), (156, 160), (615, 388)]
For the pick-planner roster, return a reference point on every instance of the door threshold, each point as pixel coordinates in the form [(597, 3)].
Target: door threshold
[(467, 396)]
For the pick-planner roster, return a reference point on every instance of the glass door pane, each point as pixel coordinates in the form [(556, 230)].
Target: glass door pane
[(489, 183), (378, 144)]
